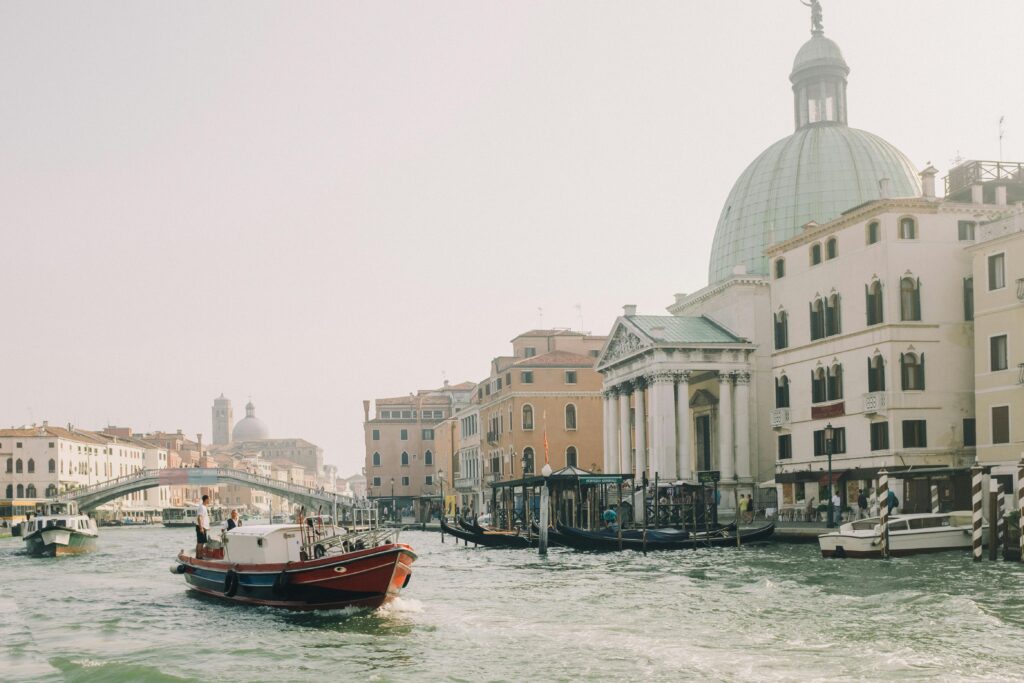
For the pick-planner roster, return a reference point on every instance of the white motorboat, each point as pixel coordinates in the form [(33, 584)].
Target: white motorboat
[(59, 529), (909, 534)]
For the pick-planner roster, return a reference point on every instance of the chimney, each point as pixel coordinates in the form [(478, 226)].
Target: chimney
[(629, 310), (977, 194), (680, 297), (928, 181), (884, 188), (1001, 195), (366, 411)]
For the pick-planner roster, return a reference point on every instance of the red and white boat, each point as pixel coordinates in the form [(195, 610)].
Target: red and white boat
[(301, 567)]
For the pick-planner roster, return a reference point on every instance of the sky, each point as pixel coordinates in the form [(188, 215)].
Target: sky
[(311, 204)]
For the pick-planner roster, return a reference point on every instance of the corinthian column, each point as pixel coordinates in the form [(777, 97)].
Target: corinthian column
[(743, 425), (726, 460), (610, 431), (663, 429), (640, 420), (683, 457), (625, 445)]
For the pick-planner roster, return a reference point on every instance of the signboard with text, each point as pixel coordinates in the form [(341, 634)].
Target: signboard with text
[(708, 476)]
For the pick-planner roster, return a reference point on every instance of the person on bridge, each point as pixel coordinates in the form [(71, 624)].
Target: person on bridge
[(202, 526), (233, 520)]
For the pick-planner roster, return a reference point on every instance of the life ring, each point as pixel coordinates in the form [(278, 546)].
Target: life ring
[(319, 551), (280, 587), (231, 583)]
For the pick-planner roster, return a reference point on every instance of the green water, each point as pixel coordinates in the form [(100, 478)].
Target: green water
[(769, 613)]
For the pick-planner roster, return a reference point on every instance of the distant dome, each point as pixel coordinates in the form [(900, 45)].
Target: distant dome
[(250, 427)]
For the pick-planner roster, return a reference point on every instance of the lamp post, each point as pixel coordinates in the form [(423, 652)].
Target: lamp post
[(393, 505), (828, 451), (440, 481)]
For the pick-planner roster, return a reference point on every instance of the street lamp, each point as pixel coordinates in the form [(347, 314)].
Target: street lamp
[(828, 451), (393, 505)]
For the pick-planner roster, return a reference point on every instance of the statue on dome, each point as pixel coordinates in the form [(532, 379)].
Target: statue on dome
[(816, 26)]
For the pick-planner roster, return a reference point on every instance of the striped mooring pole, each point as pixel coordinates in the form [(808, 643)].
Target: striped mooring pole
[(1020, 505), (993, 517), (935, 499), (976, 513), (1005, 505), (883, 511)]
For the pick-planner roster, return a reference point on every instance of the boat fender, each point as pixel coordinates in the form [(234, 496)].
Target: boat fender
[(281, 584), (178, 569), (231, 583), (405, 583), (319, 551)]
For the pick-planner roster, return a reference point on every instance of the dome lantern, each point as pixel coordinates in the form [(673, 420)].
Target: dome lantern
[(819, 78)]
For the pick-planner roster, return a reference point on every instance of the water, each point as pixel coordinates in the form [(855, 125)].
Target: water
[(769, 613)]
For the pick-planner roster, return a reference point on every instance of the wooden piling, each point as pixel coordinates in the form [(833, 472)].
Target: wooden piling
[(883, 511), (976, 513), (542, 539)]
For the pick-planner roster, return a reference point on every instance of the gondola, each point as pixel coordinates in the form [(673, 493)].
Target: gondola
[(471, 526), (581, 539), (490, 539)]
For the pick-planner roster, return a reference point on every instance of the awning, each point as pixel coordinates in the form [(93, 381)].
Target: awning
[(770, 484), (836, 476)]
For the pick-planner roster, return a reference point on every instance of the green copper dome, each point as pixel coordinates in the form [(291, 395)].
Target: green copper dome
[(815, 174)]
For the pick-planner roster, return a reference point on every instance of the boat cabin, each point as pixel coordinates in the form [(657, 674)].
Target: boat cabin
[(263, 544), (54, 509)]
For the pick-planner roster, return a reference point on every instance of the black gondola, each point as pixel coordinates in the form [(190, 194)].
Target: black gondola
[(581, 539), (490, 539)]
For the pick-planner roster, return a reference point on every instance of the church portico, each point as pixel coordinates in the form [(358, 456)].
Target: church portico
[(677, 391)]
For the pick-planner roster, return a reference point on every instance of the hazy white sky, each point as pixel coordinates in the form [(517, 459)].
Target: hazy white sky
[(320, 202)]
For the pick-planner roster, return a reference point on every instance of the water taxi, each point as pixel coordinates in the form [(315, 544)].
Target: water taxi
[(179, 516), (909, 534), (58, 529)]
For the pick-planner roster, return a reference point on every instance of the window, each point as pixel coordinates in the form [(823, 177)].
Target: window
[(968, 298), (51, 491), (406, 414), (570, 377), (508, 379), (21, 490), (17, 444), (782, 392), (427, 434), (428, 458), (879, 436), (497, 384), (19, 467), (996, 358), (528, 458), (818, 386), (570, 416), (30, 491), (376, 459), (996, 271), (873, 232), (527, 417), (385, 414), (429, 481), (834, 383), (911, 372), (781, 330), (970, 438), (52, 466), (376, 481), (570, 456), (908, 229), (785, 446), (965, 230), (873, 295), (1000, 424), (817, 319), (526, 377), (405, 481), (815, 254), (910, 298), (10, 491), (376, 435), (832, 316), (50, 445), (831, 249), (404, 435), (405, 459), (876, 373), (838, 441), (914, 434), (780, 268), (529, 352)]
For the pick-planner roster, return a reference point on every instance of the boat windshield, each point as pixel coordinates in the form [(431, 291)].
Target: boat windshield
[(864, 524), (928, 522)]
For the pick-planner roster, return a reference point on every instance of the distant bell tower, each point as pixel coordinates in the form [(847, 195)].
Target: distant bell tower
[(222, 419)]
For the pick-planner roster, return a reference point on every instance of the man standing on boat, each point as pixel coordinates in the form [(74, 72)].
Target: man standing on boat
[(202, 526)]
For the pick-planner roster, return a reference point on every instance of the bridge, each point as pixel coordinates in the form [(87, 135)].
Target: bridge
[(91, 497)]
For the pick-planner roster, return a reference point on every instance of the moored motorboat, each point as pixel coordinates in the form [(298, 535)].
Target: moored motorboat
[(59, 529), (292, 566), (909, 534)]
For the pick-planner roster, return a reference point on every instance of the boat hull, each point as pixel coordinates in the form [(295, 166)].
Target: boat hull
[(602, 542), (57, 542), (901, 543), (492, 539), (365, 578)]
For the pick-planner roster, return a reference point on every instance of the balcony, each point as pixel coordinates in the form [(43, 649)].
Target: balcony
[(875, 402), (780, 418), (467, 484)]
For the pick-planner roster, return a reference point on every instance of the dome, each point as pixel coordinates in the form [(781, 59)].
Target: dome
[(816, 52), (250, 427)]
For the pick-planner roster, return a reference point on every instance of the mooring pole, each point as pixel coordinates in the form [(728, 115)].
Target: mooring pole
[(883, 511), (1005, 505), (1020, 508), (993, 521), (976, 513), (542, 539), (935, 499)]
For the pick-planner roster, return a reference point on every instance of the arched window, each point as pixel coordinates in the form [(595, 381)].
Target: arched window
[(876, 373), (31, 465), (428, 458), (19, 467), (51, 490), (781, 330), (780, 268), (405, 459), (527, 417), (815, 254), (818, 386), (832, 316), (570, 456), (873, 235), (873, 297), (10, 491), (570, 416), (910, 298), (52, 466), (10, 466), (376, 459), (782, 392), (912, 371), (528, 460), (908, 228), (21, 491), (831, 248), (835, 383), (817, 319), (30, 491)]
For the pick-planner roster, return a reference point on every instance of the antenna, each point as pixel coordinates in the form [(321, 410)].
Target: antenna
[(1002, 132), (955, 161)]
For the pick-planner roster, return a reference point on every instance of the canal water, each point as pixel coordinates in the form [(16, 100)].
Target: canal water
[(776, 612)]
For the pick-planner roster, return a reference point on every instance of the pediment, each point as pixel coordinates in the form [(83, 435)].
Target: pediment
[(624, 342), (703, 397)]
